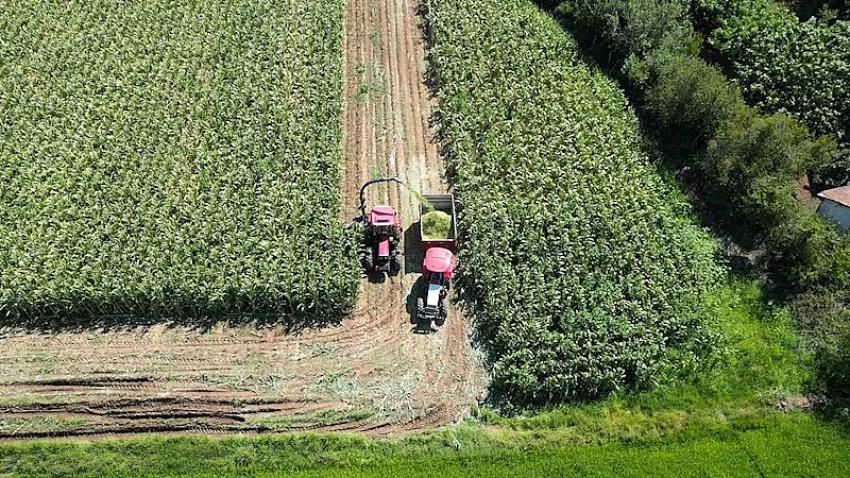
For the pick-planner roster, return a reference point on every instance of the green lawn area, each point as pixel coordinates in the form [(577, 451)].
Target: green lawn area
[(782, 445)]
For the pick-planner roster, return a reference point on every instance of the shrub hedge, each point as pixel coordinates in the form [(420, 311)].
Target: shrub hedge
[(743, 164), (785, 65)]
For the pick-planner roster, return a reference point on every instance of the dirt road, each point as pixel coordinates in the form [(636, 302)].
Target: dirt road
[(387, 131), (373, 373)]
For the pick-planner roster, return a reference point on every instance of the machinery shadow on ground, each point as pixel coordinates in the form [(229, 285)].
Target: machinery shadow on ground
[(418, 326), (413, 257), (376, 277), (413, 254)]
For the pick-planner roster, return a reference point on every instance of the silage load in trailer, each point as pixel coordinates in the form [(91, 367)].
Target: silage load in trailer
[(436, 225)]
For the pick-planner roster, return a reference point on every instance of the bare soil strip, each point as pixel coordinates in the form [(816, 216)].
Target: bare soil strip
[(245, 378), (387, 132)]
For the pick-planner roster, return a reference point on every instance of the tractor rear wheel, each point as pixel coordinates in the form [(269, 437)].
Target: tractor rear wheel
[(368, 260)]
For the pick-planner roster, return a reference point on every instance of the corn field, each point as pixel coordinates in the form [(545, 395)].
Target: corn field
[(581, 268), (171, 157)]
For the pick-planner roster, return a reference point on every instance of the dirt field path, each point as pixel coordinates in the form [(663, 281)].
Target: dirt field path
[(387, 132), (373, 373)]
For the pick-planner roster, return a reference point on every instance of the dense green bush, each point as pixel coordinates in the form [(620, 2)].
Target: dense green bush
[(690, 101), (837, 172), (630, 35), (806, 9), (171, 157), (825, 312), (578, 264), (833, 354), (784, 65), (749, 147), (802, 69)]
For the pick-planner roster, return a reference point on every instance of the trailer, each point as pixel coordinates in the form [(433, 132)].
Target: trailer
[(446, 204), (439, 262)]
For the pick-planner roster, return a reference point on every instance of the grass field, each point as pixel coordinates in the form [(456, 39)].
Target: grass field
[(789, 445), (167, 158)]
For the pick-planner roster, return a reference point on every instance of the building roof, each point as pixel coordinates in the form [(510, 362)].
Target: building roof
[(840, 195)]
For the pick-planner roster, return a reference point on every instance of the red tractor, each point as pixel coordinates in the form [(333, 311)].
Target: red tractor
[(437, 269), (380, 251), (438, 266)]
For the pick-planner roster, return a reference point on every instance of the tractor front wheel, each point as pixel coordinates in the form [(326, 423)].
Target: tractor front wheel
[(420, 307)]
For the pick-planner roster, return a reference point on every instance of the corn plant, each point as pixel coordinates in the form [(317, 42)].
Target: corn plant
[(171, 157), (581, 268)]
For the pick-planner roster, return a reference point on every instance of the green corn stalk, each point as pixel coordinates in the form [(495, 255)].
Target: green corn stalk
[(172, 158), (582, 269)]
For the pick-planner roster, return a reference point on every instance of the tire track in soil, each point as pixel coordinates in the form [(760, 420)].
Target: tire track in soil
[(176, 380), (449, 378)]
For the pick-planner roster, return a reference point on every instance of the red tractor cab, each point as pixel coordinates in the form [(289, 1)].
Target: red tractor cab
[(380, 250), (437, 269)]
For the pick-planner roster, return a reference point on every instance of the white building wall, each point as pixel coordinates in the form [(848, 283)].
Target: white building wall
[(835, 213)]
